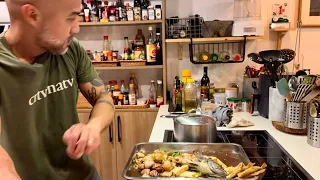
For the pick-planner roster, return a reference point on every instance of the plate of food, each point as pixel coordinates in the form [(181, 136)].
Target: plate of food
[(191, 160)]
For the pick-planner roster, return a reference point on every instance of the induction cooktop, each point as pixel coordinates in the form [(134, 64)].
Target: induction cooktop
[(261, 147)]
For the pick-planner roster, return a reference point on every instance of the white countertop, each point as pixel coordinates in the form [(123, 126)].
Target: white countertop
[(307, 156)]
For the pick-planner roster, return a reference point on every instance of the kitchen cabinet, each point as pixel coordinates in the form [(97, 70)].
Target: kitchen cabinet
[(104, 158), (128, 128), (132, 128)]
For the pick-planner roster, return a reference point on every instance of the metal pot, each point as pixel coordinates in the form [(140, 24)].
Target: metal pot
[(195, 128)]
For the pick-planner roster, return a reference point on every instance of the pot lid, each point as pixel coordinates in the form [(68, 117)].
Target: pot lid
[(194, 120)]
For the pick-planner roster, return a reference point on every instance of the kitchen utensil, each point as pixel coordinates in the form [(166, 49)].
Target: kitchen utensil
[(301, 79), (314, 93), (283, 71), (314, 132), (309, 79), (296, 115), (255, 58), (283, 88), (231, 154), (303, 90), (195, 128), (314, 109), (293, 84)]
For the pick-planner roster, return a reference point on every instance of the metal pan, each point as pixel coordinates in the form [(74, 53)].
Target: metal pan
[(230, 154)]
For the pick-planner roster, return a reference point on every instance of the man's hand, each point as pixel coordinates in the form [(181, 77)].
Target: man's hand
[(80, 138)]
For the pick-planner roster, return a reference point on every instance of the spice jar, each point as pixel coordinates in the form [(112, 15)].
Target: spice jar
[(115, 94), (130, 14), (233, 103), (145, 14), (137, 13), (151, 13), (245, 104), (158, 12), (115, 55)]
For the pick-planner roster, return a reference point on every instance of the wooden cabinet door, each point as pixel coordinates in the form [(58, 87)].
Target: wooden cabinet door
[(132, 128), (104, 158)]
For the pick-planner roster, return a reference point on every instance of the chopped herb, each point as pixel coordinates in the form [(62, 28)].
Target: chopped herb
[(175, 154)]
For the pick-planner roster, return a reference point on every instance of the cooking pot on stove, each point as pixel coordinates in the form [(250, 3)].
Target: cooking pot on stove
[(195, 128)]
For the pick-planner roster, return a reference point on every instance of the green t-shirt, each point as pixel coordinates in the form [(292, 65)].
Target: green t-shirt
[(37, 105)]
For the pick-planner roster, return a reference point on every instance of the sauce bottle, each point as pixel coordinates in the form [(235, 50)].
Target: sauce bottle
[(152, 94), (115, 94), (159, 93), (151, 49), (132, 95)]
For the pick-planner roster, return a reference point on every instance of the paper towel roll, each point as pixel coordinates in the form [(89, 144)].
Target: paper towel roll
[(276, 105)]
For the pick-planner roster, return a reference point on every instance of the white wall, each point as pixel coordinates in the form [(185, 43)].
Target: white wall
[(4, 15)]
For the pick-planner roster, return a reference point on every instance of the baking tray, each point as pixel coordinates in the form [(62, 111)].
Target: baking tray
[(229, 153)]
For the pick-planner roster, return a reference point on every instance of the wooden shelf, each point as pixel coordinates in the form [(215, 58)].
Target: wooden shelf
[(282, 29), (120, 23), (216, 39), (133, 67)]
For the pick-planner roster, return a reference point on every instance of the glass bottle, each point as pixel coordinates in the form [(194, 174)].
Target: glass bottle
[(151, 49), (133, 80), (132, 95), (115, 94), (190, 95), (106, 48), (140, 46), (152, 94), (123, 87), (126, 49), (158, 44), (159, 93), (178, 97), (205, 84)]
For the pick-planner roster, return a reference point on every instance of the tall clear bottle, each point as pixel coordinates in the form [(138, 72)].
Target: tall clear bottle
[(190, 95), (132, 95)]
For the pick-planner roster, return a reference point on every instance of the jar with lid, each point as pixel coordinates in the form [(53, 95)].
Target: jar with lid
[(145, 13), (233, 103), (158, 12), (130, 14), (115, 55), (220, 97), (151, 13), (245, 104), (190, 95)]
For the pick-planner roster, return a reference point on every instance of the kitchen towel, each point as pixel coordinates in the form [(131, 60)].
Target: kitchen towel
[(276, 105)]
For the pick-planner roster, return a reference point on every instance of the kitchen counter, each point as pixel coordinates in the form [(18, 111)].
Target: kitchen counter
[(307, 156)]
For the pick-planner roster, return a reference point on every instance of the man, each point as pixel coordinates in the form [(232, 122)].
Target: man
[(41, 68)]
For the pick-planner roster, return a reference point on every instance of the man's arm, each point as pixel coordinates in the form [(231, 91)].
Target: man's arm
[(85, 138), (97, 95), (7, 169)]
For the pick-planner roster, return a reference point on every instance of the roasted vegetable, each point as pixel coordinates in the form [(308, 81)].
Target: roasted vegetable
[(175, 154), (140, 155), (179, 170), (158, 157), (190, 174), (166, 174), (148, 164), (167, 165), (154, 173), (145, 171)]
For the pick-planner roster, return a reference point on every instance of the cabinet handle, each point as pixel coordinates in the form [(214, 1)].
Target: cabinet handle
[(110, 132), (119, 129)]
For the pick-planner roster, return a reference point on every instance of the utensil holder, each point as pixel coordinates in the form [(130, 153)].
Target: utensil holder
[(296, 115), (314, 132)]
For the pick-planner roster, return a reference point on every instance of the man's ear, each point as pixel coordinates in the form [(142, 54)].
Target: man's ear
[(31, 14)]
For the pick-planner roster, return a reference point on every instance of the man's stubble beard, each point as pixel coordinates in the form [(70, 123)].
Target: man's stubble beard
[(47, 41)]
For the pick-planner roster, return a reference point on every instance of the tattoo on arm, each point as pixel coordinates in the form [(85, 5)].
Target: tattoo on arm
[(92, 94)]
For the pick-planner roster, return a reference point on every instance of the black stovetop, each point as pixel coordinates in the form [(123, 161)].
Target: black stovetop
[(261, 147)]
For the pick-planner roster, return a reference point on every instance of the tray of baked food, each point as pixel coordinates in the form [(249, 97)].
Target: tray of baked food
[(191, 160)]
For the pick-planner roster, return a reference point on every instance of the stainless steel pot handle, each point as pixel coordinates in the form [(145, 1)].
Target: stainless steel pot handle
[(197, 111)]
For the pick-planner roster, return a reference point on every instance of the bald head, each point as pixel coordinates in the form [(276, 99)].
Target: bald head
[(51, 23)]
